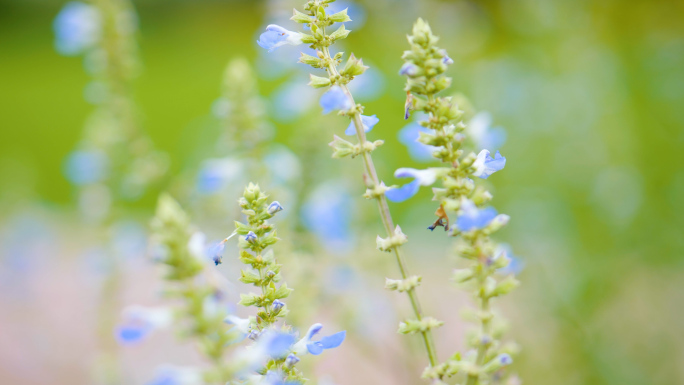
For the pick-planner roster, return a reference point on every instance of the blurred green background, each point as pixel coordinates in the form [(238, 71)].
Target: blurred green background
[(590, 92)]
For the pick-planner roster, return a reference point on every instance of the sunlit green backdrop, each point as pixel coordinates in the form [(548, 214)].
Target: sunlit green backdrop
[(592, 96)]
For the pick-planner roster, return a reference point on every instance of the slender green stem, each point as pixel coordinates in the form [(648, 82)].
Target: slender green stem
[(483, 347), (385, 214)]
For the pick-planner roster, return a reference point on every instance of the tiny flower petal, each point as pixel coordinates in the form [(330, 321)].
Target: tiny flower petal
[(425, 177), (447, 60), (276, 36), (472, 218), (404, 192), (485, 165), (368, 123), (250, 237), (334, 340), (277, 305), (335, 99), (274, 207), (408, 69)]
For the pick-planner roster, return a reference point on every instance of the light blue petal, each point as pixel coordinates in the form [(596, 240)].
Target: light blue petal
[(477, 219), (368, 123), (404, 192), (86, 166), (278, 344), (334, 99), (271, 40), (314, 348), (313, 330), (333, 341), (493, 165)]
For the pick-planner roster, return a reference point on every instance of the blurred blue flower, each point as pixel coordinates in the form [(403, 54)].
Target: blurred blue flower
[(327, 214), (483, 135), (283, 165), (368, 123), (317, 347), (276, 344), (86, 167), (174, 375), (447, 60), (140, 321), (421, 178), (472, 218), (485, 165), (368, 86), (292, 100), (250, 237), (77, 27), (276, 36), (335, 99), (215, 174), (418, 151)]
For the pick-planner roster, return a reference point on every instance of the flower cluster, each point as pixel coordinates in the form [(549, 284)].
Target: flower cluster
[(317, 20), (446, 133), (254, 240)]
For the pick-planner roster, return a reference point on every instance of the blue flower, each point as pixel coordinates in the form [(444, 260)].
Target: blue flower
[(335, 99), (408, 69), (77, 27), (368, 123), (316, 347), (216, 252), (274, 207), (86, 167), (291, 360), (250, 237), (276, 344), (327, 213), (447, 60), (418, 151), (276, 36), (292, 100), (140, 321), (277, 305), (243, 325), (215, 174), (472, 218), (504, 359), (421, 178), (483, 135), (485, 165)]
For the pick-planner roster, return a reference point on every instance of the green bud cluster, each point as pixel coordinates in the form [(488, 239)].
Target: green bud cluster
[(255, 237), (172, 232), (424, 68), (245, 121)]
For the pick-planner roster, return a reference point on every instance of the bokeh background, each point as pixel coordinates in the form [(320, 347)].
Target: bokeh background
[(591, 94)]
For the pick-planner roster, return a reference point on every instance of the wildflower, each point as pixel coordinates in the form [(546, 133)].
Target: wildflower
[(253, 335), (317, 347), (86, 167), (77, 27), (274, 207), (480, 130), (485, 165), (421, 178), (291, 360), (250, 237), (408, 69), (335, 99), (418, 151), (472, 218), (215, 174), (368, 123), (276, 36), (277, 305), (216, 252), (140, 321), (447, 60)]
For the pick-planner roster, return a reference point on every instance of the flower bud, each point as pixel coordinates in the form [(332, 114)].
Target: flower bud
[(251, 237), (274, 207)]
